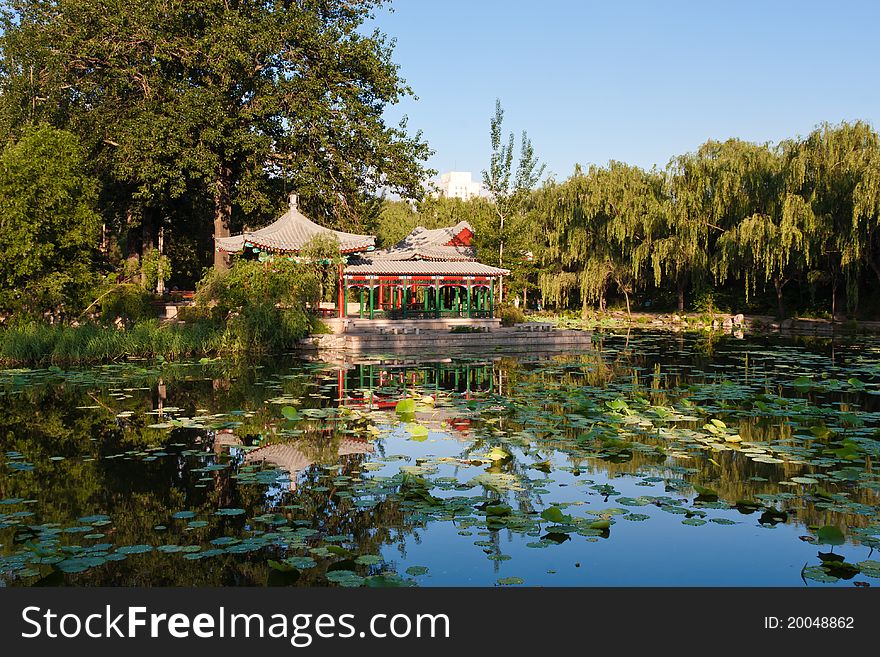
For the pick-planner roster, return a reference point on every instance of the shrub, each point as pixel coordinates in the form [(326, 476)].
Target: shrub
[(265, 328), (265, 305), (510, 315), (130, 302)]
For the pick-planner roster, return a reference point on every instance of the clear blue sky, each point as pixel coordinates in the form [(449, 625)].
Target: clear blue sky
[(633, 81)]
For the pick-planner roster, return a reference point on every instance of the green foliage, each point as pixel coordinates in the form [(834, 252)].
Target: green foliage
[(321, 254), (129, 302), (398, 218), (595, 221), (279, 281), (510, 315), (263, 328), (264, 305), (48, 224), (509, 186), (803, 213), (39, 343), (209, 104), (155, 267)]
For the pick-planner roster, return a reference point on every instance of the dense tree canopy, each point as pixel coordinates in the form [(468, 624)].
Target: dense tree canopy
[(49, 228), (750, 227), (804, 211), (191, 119), (233, 101)]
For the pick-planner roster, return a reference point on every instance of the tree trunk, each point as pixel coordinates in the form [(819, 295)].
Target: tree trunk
[(682, 284), (146, 238), (222, 213), (160, 284), (623, 289), (780, 306), (833, 298), (132, 253), (525, 298), (875, 267)]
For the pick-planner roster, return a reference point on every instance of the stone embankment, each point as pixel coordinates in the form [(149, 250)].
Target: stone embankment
[(426, 337), (735, 323)]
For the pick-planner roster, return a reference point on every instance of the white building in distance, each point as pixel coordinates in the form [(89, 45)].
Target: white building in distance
[(459, 184)]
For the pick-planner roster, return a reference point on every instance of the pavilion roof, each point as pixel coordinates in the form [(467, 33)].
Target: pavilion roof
[(290, 233), (423, 268), (434, 244), (435, 252)]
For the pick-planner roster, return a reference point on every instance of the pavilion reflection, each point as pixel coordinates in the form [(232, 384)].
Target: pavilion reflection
[(380, 384), (293, 458)]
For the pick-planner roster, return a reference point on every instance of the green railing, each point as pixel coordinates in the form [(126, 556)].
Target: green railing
[(421, 313)]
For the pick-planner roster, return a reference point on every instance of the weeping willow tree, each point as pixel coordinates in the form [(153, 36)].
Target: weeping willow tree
[(773, 240), (595, 221), (675, 248), (837, 170), (866, 216)]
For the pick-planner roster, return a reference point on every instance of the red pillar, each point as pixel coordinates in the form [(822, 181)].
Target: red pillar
[(340, 296), (380, 294)]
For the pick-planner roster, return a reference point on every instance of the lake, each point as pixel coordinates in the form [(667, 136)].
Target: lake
[(655, 459)]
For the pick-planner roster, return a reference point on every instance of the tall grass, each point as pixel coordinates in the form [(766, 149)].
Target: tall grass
[(93, 343), (89, 343)]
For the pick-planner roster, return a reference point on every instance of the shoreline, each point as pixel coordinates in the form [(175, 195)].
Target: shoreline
[(48, 345), (720, 322)]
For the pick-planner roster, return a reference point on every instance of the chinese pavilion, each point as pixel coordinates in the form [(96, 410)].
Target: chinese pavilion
[(428, 274)]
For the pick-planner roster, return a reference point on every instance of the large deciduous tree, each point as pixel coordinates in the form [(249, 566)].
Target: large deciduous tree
[(49, 228), (239, 98), (837, 170), (596, 221), (509, 185)]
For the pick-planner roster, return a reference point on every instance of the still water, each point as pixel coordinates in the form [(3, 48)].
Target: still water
[(653, 459)]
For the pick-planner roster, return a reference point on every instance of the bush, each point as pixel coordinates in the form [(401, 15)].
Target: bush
[(48, 224), (263, 304), (194, 314), (510, 315), (130, 302), (265, 328)]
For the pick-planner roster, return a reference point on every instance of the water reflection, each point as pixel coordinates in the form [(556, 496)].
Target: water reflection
[(651, 460)]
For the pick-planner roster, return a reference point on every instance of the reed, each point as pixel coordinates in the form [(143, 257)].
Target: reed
[(249, 333)]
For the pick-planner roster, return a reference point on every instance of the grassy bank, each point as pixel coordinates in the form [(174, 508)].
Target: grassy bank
[(91, 343), (42, 344)]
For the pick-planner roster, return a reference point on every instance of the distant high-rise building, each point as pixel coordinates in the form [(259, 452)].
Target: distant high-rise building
[(459, 184)]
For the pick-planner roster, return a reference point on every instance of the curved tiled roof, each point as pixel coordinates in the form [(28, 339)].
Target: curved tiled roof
[(290, 233), (434, 244), (423, 268), (426, 253)]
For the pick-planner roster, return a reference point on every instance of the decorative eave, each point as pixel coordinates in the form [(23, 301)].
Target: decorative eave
[(424, 268), (290, 233)]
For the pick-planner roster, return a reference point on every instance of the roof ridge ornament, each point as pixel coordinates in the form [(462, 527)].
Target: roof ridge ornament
[(293, 199)]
